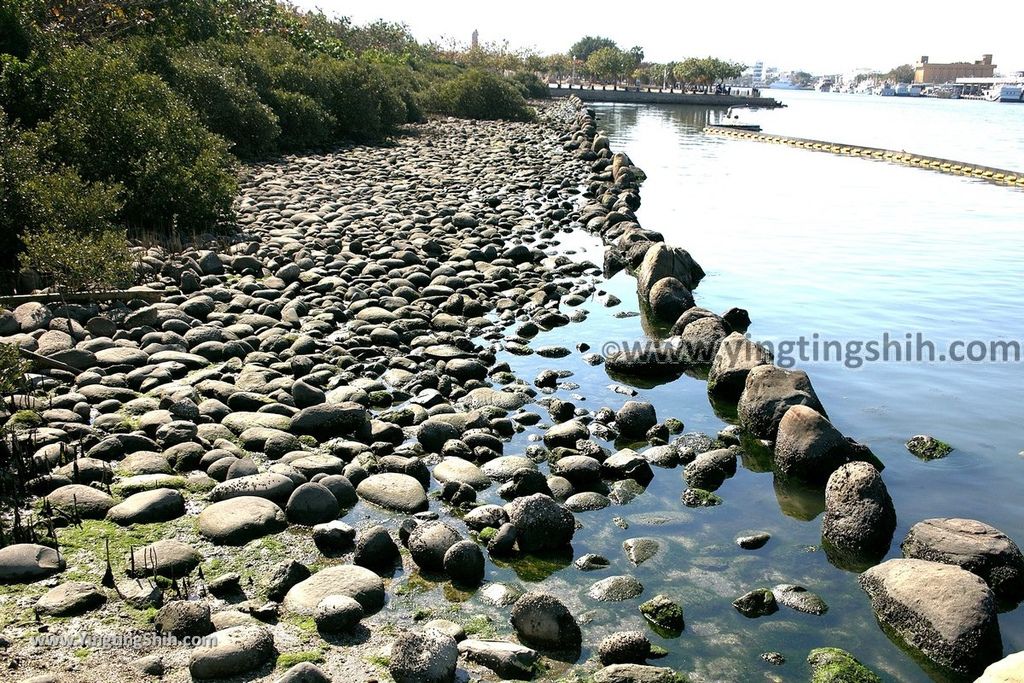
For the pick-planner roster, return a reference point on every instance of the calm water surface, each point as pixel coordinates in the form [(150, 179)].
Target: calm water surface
[(848, 249)]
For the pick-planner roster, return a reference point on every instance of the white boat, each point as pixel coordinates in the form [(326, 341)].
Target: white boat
[(886, 91), (786, 84), (1007, 92), (908, 90)]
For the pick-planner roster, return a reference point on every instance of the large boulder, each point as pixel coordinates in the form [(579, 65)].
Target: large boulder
[(68, 599), (239, 520), (810, 449), (312, 503), (654, 359), (81, 500), (541, 621), (768, 393), (158, 505), (358, 583), (943, 611), (669, 299), (508, 660), (270, 485), (634, 418), (859, 515), (427, 656), (735, 358), (233, 652), (429, 542), (394, 491), (974, 546), (662, 261), (328, 420), (541, 523), (26, 562)]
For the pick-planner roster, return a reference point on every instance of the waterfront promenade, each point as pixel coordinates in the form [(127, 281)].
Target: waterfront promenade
[(739, 97)]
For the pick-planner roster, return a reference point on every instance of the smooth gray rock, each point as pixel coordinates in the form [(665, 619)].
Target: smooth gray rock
[(238, 650), (810, 449), (393, 491), (859, 514), (768, 393), (943, 611), (358, 583), (972, 545), (239, 520), (337, 614), (543, 622), (147, 507), (70, 598), (429, 543), (508, 660), (310, 504), (26, 562), (616, 589)]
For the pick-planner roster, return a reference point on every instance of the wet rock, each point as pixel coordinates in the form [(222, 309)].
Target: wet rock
[(709, 470), (735, 357), (329, 420), (312, 503), (665, 613), (269, 485), (754, 541), (541, 523), (977, 547), (637, 673), (616, 589), (508, 660), (238, 650), (462, 471), (700, 498), (429, 542), (800, 599), (624, 647), (928, 447), (634, 418), (334, 537), (393, 491), (68, 599), (240, 520), (358, 583), (485, 516), (943, 611), (587, 501), (627, 464), (542, 621), (668, 299), (426, 656), (376, 549), (433, 434), (810, 449), (464, 563), (450, 627), (591, 562), (832, 665), (859, 516), (639, 550), (337, 614), (662, 261), (565, 434), (768, 393), (757, 603)]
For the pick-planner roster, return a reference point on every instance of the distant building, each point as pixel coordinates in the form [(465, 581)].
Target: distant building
[(476, 39), (931, 72), (757, 74)]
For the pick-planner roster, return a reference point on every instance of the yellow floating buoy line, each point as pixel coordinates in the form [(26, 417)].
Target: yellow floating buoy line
[(994, 175)]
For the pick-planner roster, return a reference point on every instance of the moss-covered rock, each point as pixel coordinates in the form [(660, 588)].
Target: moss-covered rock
[(928, 447), (833, 665), (664, 613)]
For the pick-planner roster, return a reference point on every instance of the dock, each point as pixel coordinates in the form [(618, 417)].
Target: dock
[(991, 174), (641, 95)]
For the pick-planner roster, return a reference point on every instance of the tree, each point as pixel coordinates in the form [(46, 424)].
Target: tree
[(636, 53), (608, 63), (557, 65), (801, 78), (588, 45), (901, 74)]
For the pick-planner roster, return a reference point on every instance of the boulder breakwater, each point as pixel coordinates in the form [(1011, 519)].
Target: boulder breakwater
[(315, 457)]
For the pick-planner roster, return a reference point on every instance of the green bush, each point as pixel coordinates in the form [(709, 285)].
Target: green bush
[(531, 86), (12, 370), (478, 94), (115, 123), (36, 194), (226, 104), (80, 260), (304, 123)]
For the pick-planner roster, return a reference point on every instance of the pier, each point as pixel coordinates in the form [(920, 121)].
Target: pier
[(642, 95), (994, 175)]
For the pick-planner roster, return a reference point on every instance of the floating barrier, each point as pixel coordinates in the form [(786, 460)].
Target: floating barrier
[(994, 175)]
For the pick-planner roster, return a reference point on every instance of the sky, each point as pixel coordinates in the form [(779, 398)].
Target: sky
[(796, 34)]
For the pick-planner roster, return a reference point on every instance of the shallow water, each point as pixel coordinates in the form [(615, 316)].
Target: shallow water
[(849, 249)]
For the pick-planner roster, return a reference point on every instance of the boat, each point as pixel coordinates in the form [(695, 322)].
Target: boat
[(908, 90), (886, 91), (786, 84), (1007, 92), (732, 121)]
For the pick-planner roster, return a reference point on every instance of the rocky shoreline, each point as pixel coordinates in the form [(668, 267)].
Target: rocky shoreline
[(313, 425)]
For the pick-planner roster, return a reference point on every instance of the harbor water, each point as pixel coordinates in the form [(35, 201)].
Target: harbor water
[(823, 247)]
